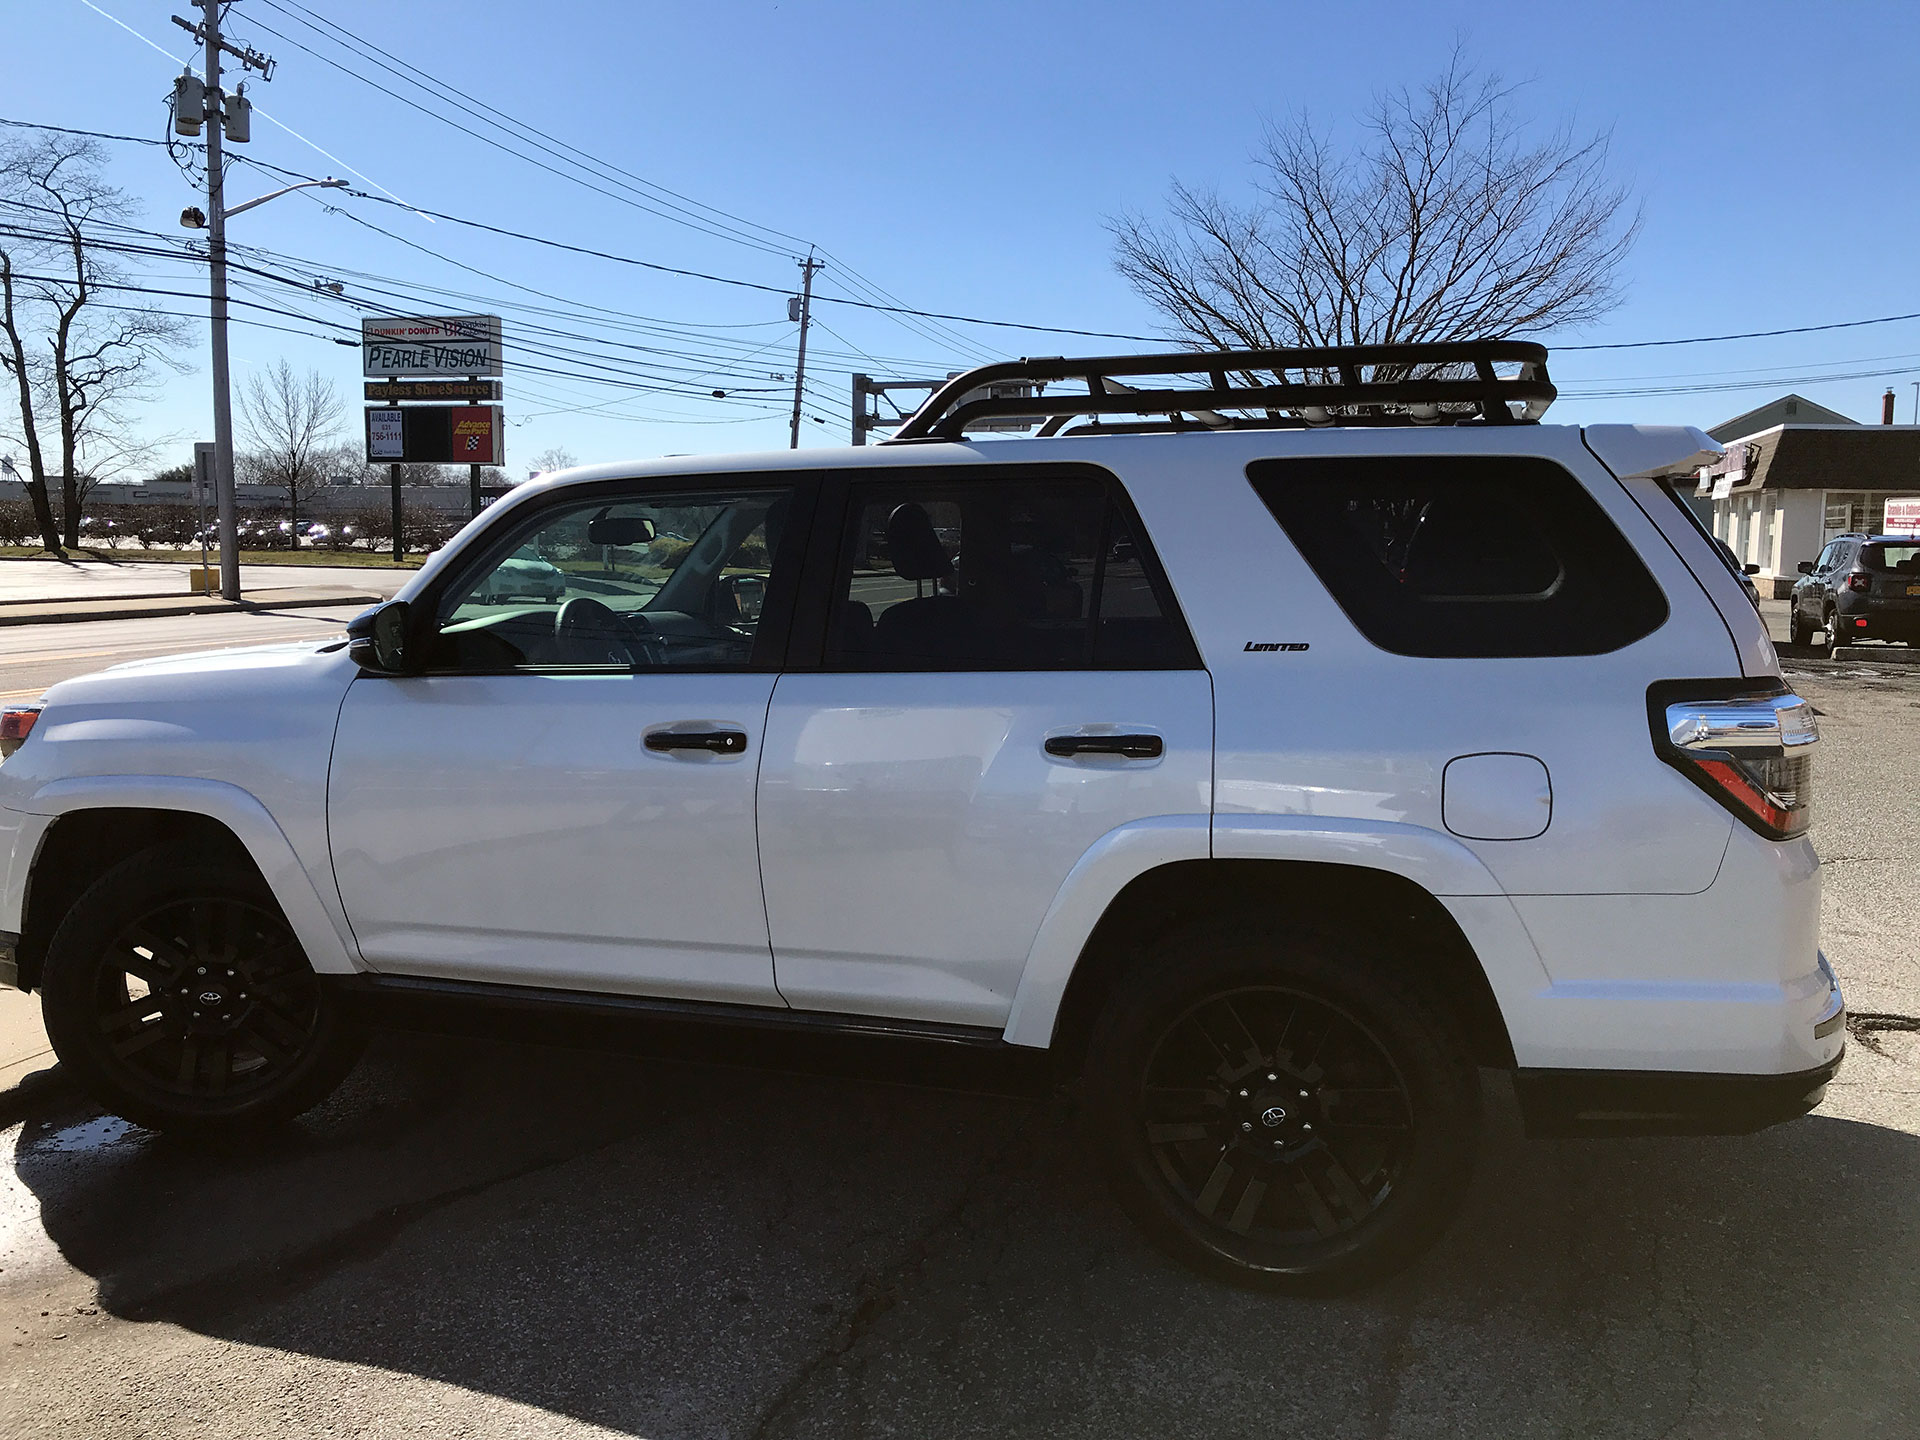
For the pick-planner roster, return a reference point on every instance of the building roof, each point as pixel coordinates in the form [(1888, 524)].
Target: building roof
[(1828, 457), (1787, 410)]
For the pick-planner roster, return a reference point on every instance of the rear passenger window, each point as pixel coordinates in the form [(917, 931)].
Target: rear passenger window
[(985, 575), (1464, 556)]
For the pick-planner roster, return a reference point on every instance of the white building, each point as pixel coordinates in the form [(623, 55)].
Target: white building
[(1795, 475)]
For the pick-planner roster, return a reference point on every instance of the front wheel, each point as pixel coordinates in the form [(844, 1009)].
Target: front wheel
[(1798, 631), (178, 997), (1282, 1113)]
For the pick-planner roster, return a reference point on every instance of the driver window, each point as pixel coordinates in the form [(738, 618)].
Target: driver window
[(668, 581)]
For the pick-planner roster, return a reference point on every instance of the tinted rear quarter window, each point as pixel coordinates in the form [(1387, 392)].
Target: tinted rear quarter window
[(1464, 556), (1892, 556)]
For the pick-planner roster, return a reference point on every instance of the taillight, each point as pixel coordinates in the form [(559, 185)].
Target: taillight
[(1753, 753), (1857, 581), (16, 723)]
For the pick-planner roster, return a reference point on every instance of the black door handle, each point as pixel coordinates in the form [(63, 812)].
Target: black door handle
[(1132, 747), (720, 742)]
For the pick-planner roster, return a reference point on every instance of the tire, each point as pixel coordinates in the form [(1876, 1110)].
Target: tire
[(143, 1000), (1798, 631), (1834, 638), (1208, 1073)]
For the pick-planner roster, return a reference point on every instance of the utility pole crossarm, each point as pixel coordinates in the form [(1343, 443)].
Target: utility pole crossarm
[(249, 58)]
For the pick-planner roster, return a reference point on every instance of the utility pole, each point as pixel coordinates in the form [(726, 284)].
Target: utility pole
[(220, 114), (805, 317), (217, 282)]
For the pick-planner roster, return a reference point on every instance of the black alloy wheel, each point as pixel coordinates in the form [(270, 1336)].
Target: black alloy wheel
[(1798, 631), (1296, 1116), (1277, 1115), (181, 999)]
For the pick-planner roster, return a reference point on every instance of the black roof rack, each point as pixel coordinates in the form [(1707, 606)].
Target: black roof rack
[(1439, 383)]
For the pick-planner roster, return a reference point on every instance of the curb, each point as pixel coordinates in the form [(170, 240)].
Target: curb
[(158, 607)]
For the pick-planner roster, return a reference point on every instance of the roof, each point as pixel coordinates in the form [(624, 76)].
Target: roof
[(1787, 410), (1828, 457)]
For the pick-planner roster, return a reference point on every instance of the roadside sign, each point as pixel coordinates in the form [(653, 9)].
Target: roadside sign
[(389, 391), (437, 434), (386, 438), (475, 434), (1903, 515), (463, 345)]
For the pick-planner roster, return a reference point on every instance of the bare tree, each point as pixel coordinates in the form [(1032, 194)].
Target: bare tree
[(1447, 223), (556, 457), (76, 350), (291, 423)]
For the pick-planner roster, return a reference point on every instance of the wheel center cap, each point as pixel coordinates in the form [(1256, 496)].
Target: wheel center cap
[(1272, 1116), (211, 998)]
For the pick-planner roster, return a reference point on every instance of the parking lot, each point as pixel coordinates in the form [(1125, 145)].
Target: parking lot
[(483, 1237)]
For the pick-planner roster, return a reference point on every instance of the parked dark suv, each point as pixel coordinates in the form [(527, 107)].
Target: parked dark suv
[(1863, 587)]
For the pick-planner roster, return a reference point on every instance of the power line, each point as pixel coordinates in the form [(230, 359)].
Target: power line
[(933, 314), (500, 119), (1746, 334), (518, 155), (90, 134)]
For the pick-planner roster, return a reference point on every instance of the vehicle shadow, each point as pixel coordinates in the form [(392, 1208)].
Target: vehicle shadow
[(676, 1249)]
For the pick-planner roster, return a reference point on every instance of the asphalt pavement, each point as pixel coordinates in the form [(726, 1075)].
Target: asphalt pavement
[(494, 1237)]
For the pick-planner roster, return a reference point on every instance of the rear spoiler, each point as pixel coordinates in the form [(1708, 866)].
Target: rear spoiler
[(1655, 452)]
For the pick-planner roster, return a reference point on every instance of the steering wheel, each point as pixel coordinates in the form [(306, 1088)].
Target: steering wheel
[(590, 633)]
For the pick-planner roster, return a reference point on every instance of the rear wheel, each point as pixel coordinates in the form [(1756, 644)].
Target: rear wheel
[(1798, 631), (1286, 1115), (1835, 636), (179, 998)]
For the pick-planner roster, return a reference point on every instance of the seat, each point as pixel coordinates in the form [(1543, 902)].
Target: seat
[(929, 630)]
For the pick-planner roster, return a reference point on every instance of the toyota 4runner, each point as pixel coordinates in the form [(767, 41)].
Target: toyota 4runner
[(1278, 740)]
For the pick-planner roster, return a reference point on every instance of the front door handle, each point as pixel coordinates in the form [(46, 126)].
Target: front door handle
[(1131, 747), (719, 742)]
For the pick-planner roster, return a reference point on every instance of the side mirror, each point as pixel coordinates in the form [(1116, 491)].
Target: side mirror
[(377, 638), (619, 530), (1752, 567), (1805, 567)]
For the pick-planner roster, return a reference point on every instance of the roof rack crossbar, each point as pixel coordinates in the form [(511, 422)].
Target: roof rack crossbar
[(1394, 396)]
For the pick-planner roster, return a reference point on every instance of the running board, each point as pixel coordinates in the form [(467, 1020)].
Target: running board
[(918, 1051)]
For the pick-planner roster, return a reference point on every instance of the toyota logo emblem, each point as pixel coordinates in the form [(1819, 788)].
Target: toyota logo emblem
[(209, 997), (1272, 1116)]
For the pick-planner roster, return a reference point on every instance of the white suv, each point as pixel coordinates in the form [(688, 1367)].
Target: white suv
[(1277, 745)]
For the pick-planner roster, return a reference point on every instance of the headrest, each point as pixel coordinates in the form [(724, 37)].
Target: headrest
[(914, 549)]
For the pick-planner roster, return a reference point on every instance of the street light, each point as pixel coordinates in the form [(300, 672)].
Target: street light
[(216, 223)]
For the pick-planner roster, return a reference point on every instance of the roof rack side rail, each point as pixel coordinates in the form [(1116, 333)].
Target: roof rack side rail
[(1396, 394)]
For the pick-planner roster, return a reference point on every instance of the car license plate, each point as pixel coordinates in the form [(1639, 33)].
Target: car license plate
[(1913, 589)]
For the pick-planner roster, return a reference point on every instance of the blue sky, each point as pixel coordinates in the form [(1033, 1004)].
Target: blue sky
[(962, 159)]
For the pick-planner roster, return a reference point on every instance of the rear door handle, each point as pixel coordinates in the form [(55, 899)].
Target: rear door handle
[(1131, 747), (719, 742)]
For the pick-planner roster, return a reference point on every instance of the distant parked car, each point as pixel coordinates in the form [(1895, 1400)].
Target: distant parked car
[(1744, 573), (523, 575), (1863, 587)]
